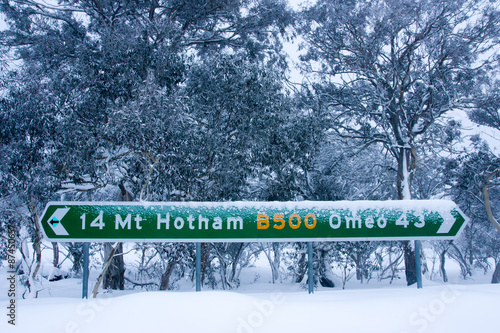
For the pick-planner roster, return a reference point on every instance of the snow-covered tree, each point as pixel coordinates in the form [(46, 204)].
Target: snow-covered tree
[(387, 70), (468, 177), (109, 93)]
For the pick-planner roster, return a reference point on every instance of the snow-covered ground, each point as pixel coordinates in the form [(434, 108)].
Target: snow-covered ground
[(470, 305)]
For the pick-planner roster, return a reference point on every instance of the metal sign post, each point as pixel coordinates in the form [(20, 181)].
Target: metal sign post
[(418, 264), (198, 267), (85, 277), (310, 270)]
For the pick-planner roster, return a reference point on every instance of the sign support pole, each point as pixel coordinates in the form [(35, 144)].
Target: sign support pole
[(198, 266), (418, 264), (85, 277), (310, 270)]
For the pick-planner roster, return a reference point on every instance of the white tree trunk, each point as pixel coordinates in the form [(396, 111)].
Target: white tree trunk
[(405, 182)]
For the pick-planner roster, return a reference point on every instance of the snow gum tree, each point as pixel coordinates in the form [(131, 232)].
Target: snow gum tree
[(113, 92), (387, 70), (482, 168), (26, 171), (467, 176)]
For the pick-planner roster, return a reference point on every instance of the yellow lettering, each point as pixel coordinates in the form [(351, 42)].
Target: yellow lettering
[(262, 221), (290, 222), (279, 218)]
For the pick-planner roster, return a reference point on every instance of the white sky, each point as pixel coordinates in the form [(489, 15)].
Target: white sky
[(3, 26), (295, 4)]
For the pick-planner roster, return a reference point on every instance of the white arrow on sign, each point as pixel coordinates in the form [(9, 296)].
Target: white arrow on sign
[(448, 222), (55, 221)]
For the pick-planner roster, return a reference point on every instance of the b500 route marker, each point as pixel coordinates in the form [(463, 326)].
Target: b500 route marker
[(252, 221)]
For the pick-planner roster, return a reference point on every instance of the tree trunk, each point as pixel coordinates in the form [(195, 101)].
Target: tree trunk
[(76, 251), (405, 166), (205, 259), (37, 241), (464, 265), (38, 250), (55, 249), (165, 277), (361, 272), (486, 197), (104, 270), (277, 259), (235, 262), (301, 268), (487, 205), (496, 274), (273, 261), (442, 258), (114, 278), (410, 265), (324, 270)]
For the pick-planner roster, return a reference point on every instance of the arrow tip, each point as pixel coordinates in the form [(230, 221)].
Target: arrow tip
[(448, 222), (55, 221)]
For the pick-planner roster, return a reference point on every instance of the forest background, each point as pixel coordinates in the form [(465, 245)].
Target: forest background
[(194, 101)]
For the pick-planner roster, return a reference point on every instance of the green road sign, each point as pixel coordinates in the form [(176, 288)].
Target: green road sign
[(252, 221)]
